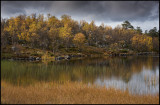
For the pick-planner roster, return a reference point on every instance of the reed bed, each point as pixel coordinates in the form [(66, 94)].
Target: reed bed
[(69, 93)]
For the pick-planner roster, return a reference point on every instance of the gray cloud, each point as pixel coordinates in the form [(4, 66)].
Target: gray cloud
[(113, 10), (100, 11)]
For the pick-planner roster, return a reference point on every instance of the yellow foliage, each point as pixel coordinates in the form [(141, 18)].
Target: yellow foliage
[(108, 28), (79, 39), (65, 32), (141, 42), (32, 27), (11, 27)]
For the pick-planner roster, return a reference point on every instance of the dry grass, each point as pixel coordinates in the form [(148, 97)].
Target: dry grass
[(73, 93)]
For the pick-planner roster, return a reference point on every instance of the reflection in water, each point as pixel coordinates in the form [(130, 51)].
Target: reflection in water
[(140, 75), (145, 82)]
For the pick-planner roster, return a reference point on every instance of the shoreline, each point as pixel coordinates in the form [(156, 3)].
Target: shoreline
[(78, 56)]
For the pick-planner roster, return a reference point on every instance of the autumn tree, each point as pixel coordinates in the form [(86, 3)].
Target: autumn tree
[(79, 40), (42, 31), (12, 30), (5, 36), (109, 36), (85, 28), (90, 32), (93, 35), (51, 33), (108, 40), (53, 26), (155, 44), (33, 34), (23, 35), (101, 41), (66, 35), (142, 43)]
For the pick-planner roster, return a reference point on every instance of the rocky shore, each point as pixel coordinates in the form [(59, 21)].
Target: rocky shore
[(58, 58)]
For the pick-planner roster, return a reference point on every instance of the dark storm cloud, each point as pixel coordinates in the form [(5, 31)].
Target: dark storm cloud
[(14, 7), (96, 10)]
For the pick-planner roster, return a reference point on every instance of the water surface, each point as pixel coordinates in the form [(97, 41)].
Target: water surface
[(139, 75)]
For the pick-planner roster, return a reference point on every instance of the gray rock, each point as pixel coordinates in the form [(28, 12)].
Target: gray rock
[(37, 58)]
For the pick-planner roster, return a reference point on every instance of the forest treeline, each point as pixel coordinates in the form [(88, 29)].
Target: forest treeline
[(50, 33)]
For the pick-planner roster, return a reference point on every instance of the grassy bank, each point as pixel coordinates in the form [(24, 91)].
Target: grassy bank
[(26, 52), (72, 93)]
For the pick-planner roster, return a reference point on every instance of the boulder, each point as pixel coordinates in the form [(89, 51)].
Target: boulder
[(59, 58), (38, 58)]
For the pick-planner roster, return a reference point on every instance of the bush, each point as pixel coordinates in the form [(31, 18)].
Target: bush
[(124, 50), (34, 54)]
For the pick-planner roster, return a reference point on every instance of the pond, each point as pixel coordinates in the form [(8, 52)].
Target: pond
[(139, 75)]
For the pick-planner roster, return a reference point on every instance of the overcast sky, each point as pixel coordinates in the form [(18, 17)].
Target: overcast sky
[(140, 13)]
